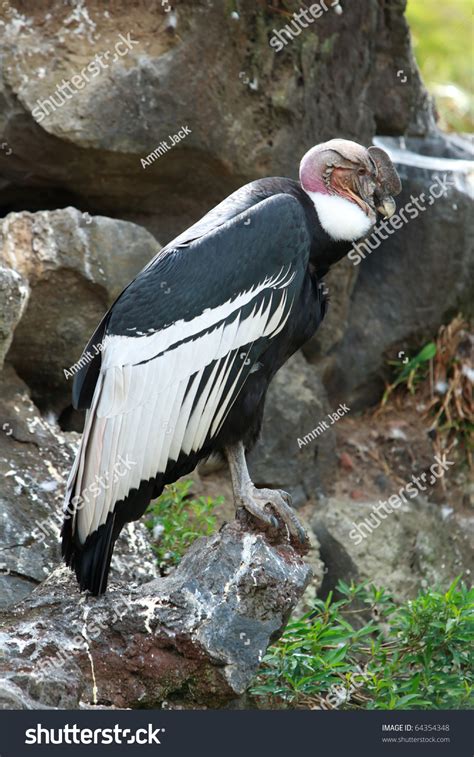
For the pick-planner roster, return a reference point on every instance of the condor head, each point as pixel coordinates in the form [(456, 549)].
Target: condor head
[(349, 184)]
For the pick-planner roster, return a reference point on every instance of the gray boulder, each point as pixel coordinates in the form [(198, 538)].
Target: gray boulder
[(193, 639), (60, 270), (415, 547)]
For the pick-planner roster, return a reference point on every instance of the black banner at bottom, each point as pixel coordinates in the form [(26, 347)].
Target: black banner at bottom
[(225, 733)]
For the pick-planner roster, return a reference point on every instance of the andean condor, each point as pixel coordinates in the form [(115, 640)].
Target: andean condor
[(186, 353)]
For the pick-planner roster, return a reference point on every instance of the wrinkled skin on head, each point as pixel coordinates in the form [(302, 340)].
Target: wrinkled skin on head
[(364, 176)]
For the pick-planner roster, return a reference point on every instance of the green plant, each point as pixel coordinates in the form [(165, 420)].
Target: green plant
[(176, 520), (412, 372), (417, 655)]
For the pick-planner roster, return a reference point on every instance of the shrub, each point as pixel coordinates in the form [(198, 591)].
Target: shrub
[(416, 655)]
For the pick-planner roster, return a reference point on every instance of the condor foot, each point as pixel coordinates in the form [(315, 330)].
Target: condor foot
[(272, 508)]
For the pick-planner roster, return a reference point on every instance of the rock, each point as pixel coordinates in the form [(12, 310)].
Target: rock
[(35, 459), (133, 558), (416, 279), (318, 571), (346, 462), (413, 548), (60, 271), (87, 149), (296, 403), (194, 638), (13, 298)]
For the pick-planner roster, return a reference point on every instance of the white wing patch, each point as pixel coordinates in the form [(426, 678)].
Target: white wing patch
[(150, 403)]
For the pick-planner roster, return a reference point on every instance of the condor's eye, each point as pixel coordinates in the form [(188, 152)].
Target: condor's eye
[(361, 171)]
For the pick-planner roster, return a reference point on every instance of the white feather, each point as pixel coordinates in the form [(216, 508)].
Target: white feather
[(342, 219)]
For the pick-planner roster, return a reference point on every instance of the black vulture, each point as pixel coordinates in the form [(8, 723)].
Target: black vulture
[(183, 359)]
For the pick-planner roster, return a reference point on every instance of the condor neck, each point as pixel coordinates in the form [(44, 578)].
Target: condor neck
[(341, 219), (339, 224)]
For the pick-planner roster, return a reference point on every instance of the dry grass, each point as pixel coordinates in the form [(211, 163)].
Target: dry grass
[(450, 406), (443, 389)]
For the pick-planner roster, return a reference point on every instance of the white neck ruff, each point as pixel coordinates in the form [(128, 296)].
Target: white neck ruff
[(342, 219)]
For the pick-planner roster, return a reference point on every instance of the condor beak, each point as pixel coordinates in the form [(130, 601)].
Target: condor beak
[(388, 181), (387, 206)]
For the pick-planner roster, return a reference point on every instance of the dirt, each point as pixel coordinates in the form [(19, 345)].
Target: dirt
[(381, 450)]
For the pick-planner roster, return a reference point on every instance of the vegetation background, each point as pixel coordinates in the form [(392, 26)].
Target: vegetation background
[(443, 34)]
